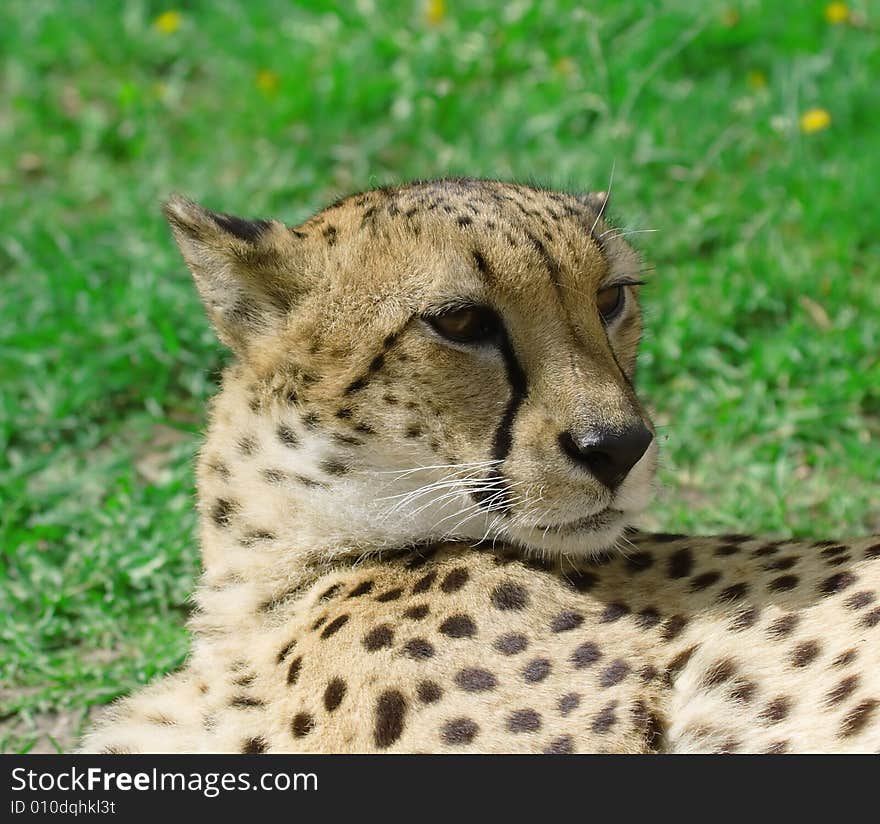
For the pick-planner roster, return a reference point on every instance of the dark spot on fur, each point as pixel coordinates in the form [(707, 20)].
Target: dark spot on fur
[(416, 613), (845, 658), (681, 563), (805, 653), (639, 561), (746, 618), (581, 580), (566, 621), (743, 691), (842, 690), (254, 746), (420, 557), (294, 670), (418, 649), (536, 670), (586, 655), (428, 692), (302, 724), (509, 596), (475, 679), (363, 588), (613, 612), (568, 702), (459, 731), (648, 618), (379, 637), (245, 702), (614, 673), (334, 626), (285, 651), (704, 580), (719, 672), (735, 592), (677, 664), (459, 626), (783, 626), (525, 720), (424, 583), (273, 476), (837, 583), (857, 718), (511, 644), (390, 718), (334, 694), (482, 266), (247, 446), (287, 436), (606, 718), (777, 710), (860, 599), (222, 511), (454, 580)]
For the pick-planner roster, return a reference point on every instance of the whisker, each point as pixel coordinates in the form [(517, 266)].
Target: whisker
[(604, 202), (403, 473), (625, 233)]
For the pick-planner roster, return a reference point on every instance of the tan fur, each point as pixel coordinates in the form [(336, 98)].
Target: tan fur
[(348, 437)]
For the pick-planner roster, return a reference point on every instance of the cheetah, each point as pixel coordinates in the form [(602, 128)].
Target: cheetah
[(416, 499)]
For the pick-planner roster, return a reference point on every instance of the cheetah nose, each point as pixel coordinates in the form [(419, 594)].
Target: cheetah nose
[(608, 455)]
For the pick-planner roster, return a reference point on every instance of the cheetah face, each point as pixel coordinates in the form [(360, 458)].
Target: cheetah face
[(452, 359)]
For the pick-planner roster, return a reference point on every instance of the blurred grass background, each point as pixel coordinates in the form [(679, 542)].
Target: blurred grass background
[(746, 134)]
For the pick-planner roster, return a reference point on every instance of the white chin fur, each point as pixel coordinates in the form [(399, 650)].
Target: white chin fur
[(574, 545)]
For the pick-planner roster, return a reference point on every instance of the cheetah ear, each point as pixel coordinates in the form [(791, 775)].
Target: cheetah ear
[(245, 270), (598, 201)]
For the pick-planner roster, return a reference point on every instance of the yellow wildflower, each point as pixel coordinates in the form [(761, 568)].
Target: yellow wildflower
[(730, 18), (756, 80), (565, 66), (815, 120), (837, 13), (267, 81), (435, 11), (168, 22)]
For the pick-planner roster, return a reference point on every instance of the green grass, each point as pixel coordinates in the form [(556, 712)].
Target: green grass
[(762, 355)]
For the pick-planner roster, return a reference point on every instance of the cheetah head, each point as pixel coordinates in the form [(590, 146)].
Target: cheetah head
[(443, 360)]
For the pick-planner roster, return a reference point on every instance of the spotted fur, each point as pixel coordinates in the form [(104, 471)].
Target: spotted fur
[(401, 550)]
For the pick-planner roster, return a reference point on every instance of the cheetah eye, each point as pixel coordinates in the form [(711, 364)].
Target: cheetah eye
[(466, 324), (610, 301)]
